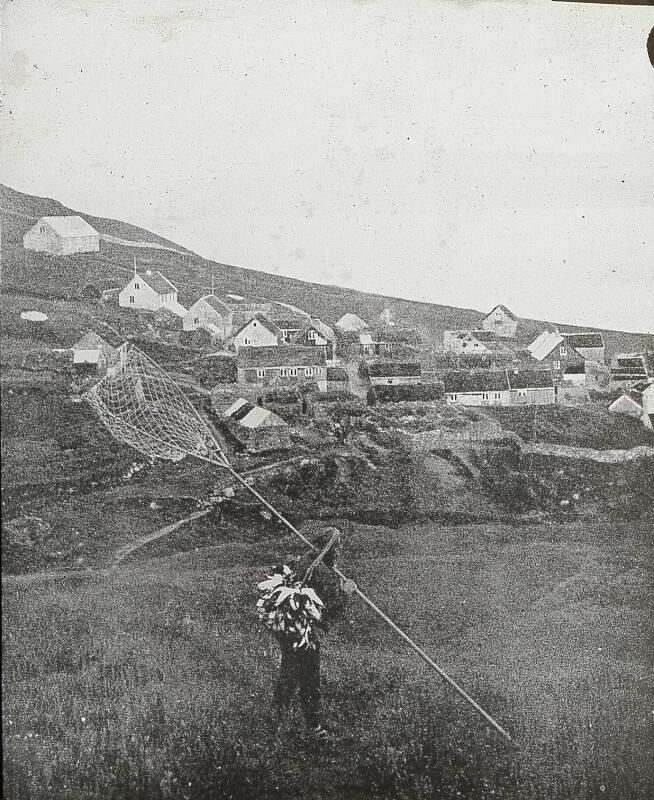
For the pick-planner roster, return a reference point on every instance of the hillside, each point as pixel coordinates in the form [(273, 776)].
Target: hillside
[(33, 274)]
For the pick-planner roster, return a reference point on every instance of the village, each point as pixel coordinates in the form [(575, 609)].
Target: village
[(260, 362)]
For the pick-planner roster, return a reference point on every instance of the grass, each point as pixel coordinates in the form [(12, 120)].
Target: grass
[(153, 681)]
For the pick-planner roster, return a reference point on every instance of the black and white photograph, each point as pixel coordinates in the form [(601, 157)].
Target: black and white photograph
[(327, 398)]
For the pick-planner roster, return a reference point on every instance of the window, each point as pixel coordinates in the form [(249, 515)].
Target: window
[(312, 335), (562, 350), (131, 298), (137, 285), (485, 396), (196, 320), (246, 341), (497, 396), (254, 324), (556, 364), (390, 380), (283, 372), (308, 372), (451, 397), (42, 229), (522, 393), (261, 373)]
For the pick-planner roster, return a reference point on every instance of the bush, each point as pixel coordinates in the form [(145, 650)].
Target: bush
[(199, 339)]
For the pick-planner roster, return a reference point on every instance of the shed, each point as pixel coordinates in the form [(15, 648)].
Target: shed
[(258, 429), (394, 373)]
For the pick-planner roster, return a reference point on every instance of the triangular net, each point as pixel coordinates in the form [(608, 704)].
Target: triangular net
[(142, 406)]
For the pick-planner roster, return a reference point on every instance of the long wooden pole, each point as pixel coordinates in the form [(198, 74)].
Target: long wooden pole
[(374, 608)]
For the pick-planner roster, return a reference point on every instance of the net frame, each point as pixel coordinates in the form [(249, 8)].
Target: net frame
[(142, 406)]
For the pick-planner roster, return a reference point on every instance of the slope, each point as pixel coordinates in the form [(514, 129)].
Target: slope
[(33, 273)]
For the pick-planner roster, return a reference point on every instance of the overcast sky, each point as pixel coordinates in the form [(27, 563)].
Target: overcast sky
[(465, 153)]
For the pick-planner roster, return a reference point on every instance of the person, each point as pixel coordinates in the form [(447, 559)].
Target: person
[(300, 668)]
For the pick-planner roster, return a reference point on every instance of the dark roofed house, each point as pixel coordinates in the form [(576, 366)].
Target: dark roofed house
[(289, 328), (284, 364), (394, 373), (504, 387), (630, 367), (589, 344)]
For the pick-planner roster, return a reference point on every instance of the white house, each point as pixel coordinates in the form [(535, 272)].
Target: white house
[(637, 402), (473, 341), (211, 313), (257, 332), (62, 236), (501, 321), (151, 291)]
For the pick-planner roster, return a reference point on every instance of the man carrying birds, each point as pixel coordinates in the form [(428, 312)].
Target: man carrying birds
[(315, 602)]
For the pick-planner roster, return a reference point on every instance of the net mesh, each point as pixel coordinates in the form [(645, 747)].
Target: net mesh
[(142, 406)]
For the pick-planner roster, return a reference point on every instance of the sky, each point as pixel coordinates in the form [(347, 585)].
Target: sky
[(453, 151)]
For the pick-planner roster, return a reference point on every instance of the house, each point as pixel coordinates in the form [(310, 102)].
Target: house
[(210, 313), (151, 291), (107, 345), (387, 317), (337, 378), (473, 341), (62, 236), (314, 333), (394, 373), (589, 345), (501, 321), (630, 367), (350, 323), (256, 428), (285, 364), (506, 387), (258, 331), (483, 388), (550, 348), (637, 402)]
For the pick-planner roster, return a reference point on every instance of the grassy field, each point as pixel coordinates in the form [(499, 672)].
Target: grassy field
[(153, 680)]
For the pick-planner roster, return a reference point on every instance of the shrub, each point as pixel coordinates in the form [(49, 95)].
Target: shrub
[(199, 339)]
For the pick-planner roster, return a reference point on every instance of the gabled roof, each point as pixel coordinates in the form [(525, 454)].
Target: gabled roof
[(543, 344), (464, 381), (262, 320), (395, 369), (584, 339), (317, 325), (216, 303), (629, 366), (350, 322), (284, 355), (506, 310), (69, 227), (157, 281), (93, 340), (250, 416)]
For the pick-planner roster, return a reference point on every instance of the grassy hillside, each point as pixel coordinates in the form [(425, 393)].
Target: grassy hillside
[(154, 680), (35, 274)]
